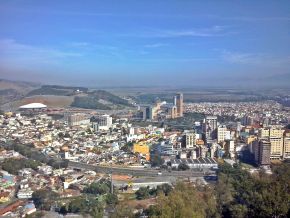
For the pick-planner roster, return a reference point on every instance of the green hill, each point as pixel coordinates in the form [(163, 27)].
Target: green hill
[(56, 90), (89, 102), (92, 101)]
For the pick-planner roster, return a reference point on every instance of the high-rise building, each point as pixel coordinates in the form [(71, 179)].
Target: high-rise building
[(264, 132), (179, 104), (286, 154), (148, 112), (210, 128), (223, 133), (190, 138), (276, 139), (275, 136), (103, 122), (264, 152), (276, 147), (76, 119)]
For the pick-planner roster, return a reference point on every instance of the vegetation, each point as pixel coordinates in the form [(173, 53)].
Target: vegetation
[(31, 153), (183, 166), (101, 94), (84, 205), (156, 160), (12, 165), (236, 194), (143, 193), (44, 199), (185, 201), (146, 192), (56, 90), (241, 194), (89, 102), (100, 188)]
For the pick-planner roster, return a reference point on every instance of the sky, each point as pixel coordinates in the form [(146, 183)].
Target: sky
[(145, 42)]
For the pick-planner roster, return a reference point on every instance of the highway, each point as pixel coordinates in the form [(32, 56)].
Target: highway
[(134, 171)]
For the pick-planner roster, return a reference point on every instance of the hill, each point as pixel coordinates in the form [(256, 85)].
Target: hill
[(57, 90), (11, 91), (99, 99), (14, 94)]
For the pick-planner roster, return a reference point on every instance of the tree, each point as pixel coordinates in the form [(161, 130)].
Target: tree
[(143, 193), (125, 148), (101, 187), (156, 160), (123, 211), (44, 198), (111, 199), (183, 166), (14, 165), (241, 194), (49, 125), (60, 135), (84, 205), (184, 201)]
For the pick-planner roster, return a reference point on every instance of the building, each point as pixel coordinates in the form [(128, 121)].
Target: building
[(223, 133), (189, 139), (275, 136), (262, 152), (264, 133), (210, 128), (77, 119), (147, 112), (143, 149), (276, 147), (179, 104), (276, 139), (230, 148), (105, 122), (286, 153), (169, 110)]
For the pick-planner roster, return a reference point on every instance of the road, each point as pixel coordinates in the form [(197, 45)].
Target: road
[(134, 171)]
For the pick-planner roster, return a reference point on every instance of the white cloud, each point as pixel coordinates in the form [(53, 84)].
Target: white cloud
[(12, 49), (156, 45), (258, 59), (194, 32)]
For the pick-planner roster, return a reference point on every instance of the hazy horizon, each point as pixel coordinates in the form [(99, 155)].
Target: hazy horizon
[(143, 43)]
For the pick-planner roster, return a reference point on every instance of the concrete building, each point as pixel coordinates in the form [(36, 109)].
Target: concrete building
[(179, 104), (276, 139), (230, 148), (147, 112), (210, 128), (286, 153), (77, 119), (105, 122), (170, 111), (143, 149), (264, 133), (262, 152), (190, 139), (276, 147), (223, 133)]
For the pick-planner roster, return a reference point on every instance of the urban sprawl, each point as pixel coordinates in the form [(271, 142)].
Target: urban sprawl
[(74, 152)]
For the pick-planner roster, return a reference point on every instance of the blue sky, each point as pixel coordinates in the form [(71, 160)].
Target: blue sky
[(144, 42)]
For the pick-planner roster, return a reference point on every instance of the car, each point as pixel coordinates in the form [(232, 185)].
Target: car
[(159, 173)]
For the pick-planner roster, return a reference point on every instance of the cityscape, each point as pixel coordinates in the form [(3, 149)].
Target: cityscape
[(135, 111)]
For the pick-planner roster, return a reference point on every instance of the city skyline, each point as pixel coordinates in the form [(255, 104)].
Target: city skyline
[(168, 43)]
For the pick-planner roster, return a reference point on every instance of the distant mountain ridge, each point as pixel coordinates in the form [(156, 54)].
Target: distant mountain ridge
[(11, 92)]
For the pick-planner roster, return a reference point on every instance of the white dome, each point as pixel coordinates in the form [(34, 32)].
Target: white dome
[(33, 106)]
